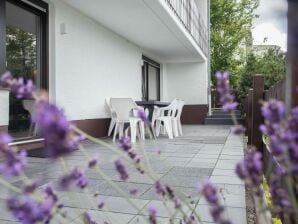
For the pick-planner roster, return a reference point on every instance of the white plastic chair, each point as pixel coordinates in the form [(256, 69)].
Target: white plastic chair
[(164, 115), (125, 111), (176, 119)]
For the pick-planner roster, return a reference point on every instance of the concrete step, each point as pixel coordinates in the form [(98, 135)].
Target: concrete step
[(223, 121), (227, 116), (221, 112)]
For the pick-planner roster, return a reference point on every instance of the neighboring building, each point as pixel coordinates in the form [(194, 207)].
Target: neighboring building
[(84, 51), (260, 50)]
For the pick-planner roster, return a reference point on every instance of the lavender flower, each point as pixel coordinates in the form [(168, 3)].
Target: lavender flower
[(238, 130), (76, 176), (125, 145), (30, 187), (121, 170), (101, 204), (250, 171), (88, 219), (273, 112), (209, 191), (279, 196), (92, 163), (159, 189), (15, 161), (59, 135), (21, 88), (28, 211), (142, 114), (152, 215), (227, 99), (133, 191)]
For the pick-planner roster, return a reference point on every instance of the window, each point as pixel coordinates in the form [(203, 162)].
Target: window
[(150, 79), (24, 52)]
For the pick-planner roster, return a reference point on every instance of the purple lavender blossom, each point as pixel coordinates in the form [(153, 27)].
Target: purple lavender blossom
[(101, 204), (125, 143), (88, 219), (18, 86), (59, 135), (76, 176), (177, 202), (30, 187), (227, 99), (250, 171), (133, 191), (142, 114), (121, 170), (14, 161), (159, 189), (279, 196), (152, 215), (238, 130), (273, 112), (210, 193), (28, 211), (92, 163)]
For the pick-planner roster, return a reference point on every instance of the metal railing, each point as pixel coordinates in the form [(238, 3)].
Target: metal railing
[(187, 11)]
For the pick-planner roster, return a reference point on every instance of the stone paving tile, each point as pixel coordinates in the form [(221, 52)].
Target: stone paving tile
[(226, 180), (236, 215), (109, 217), (200, 165), (230, 200), (190, 171), (112, 204), (232, 189), (182, 181), (220, 172)]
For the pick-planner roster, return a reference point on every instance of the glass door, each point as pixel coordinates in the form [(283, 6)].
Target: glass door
[(150, 80), (25, 50)]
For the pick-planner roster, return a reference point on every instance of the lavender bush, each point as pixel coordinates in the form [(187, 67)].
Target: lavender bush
[(31, 204)]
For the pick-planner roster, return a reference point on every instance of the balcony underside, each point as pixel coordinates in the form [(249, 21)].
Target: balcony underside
[(145, 23)]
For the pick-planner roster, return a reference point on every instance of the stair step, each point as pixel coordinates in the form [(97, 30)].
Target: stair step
[(221, 112), (227, 116), (223, 121)]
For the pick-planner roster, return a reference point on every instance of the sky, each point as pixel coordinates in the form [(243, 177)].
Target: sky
[(271, 24)]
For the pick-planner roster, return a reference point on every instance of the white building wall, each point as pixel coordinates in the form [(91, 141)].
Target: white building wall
[(187, 81), (4, 107), (91, 64)]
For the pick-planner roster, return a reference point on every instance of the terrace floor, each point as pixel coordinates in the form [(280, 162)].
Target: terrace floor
[(203, 152)]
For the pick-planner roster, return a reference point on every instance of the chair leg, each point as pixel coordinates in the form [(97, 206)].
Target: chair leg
[(167, 124), (133, 131), (157, 128), (115, 131), (175, 127), (112, 124), (142, 129), (121, 130), (180, 128)]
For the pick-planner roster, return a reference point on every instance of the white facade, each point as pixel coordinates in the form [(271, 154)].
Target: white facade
[(4, 109), (93, 58)]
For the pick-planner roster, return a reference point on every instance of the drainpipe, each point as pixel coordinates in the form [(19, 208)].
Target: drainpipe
[(209, 60)]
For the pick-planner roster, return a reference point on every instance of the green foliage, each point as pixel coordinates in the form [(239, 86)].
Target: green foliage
[(230, 27), (271, 64)]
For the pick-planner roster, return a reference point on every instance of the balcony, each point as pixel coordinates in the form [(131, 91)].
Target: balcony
[(188, 14)]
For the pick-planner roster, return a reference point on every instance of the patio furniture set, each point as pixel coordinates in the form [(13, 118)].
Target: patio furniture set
[(124, 117)]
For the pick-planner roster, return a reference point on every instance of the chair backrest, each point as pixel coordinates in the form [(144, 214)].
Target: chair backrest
[(174, 107), (29, 106), (180, 105), (123, 107)]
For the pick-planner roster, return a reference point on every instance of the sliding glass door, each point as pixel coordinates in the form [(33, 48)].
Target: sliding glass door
[(150, 79), (25, 56)]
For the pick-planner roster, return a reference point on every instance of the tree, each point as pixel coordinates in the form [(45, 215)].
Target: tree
[(231, 23), (271, 64)]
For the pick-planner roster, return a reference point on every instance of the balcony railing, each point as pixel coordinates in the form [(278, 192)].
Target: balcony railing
[(187, 12)]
